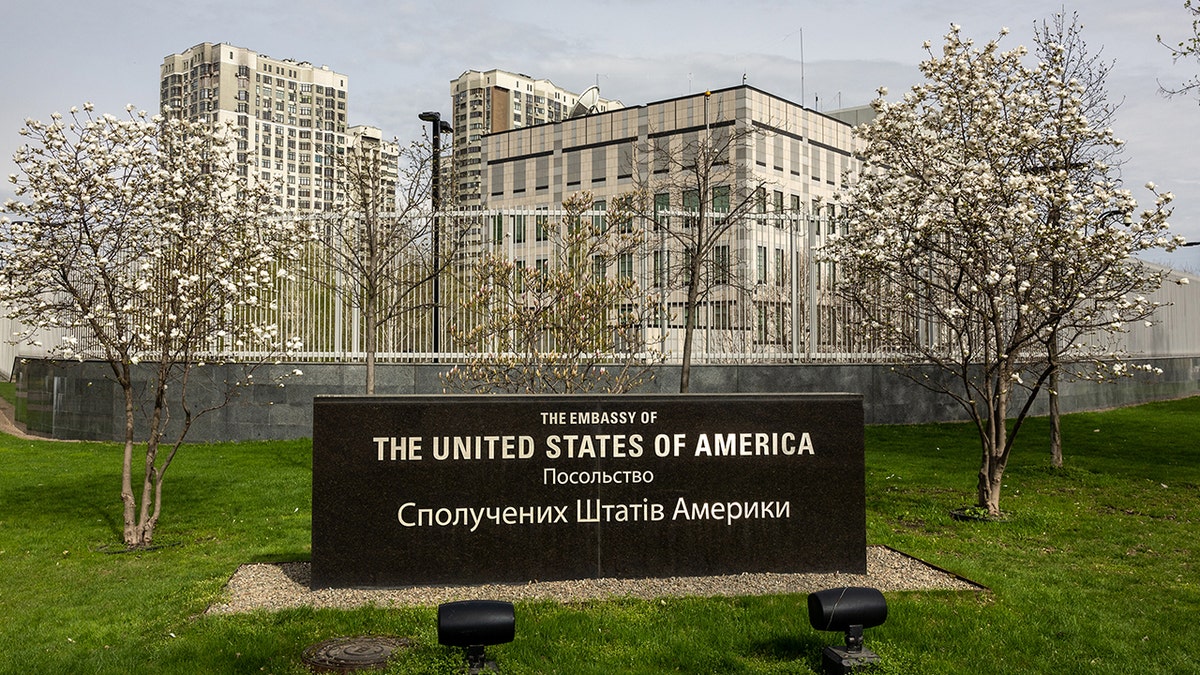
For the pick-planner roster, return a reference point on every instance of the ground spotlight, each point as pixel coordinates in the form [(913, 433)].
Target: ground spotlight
[(849, 609), (474, 624)]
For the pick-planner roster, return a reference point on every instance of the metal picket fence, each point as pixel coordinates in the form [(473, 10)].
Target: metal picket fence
[(769, 298)]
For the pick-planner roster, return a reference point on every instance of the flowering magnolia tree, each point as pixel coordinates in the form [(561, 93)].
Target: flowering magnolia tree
[(976, 235), (136, 239), (567, 326)]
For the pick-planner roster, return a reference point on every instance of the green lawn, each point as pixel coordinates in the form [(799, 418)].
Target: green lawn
[(1095, 571)]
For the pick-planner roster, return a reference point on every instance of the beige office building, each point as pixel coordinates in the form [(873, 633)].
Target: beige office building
[(290, 116), (771, 295), (491, 101), (799, 154)]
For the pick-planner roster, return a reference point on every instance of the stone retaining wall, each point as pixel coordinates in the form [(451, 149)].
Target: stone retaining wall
[(70, 400)]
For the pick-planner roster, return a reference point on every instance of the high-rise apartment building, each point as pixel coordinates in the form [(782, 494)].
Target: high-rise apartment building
[(373, 168), (485, 102), (290, 117)]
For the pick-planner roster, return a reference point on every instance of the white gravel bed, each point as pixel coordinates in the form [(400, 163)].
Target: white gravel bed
[(279, 586)]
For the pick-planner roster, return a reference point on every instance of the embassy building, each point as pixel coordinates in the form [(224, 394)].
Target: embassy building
[(766, 294)]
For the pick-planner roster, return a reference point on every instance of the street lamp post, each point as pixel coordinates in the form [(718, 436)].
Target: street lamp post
[(439, 127)]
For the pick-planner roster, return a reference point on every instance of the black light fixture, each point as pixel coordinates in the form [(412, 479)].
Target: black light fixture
[(439, 127), (474, 624), (849, 609)]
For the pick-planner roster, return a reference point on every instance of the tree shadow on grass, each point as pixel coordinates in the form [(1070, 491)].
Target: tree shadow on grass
[(80, 505), (786, 648), (65, 499)]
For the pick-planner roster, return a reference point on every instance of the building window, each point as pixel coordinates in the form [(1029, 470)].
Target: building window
[(519, 229), (662, 155), (599, 222), (720, 315), (691, 204), (497, 228), (662, 204), (720, 199), (761, 267), (599, 165), (625, 161), (625, 266), (721, 266)]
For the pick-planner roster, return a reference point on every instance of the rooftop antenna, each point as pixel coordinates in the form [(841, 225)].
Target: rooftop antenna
[(801, 67)]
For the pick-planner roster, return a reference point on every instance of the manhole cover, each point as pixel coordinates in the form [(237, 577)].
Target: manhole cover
[(348, 654)]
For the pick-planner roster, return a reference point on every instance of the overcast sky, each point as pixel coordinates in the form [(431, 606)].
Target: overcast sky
[(399, 57)]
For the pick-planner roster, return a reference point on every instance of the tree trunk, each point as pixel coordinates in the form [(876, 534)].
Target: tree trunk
[(145, 526), (141, 519), (371, 296), (995, 450), (370, 344), (1056, 453), (689, 328), (991, 477), (132, 536)]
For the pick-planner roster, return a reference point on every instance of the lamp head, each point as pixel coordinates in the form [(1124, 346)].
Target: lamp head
[(837, 609), (849, 609), (474, 624)]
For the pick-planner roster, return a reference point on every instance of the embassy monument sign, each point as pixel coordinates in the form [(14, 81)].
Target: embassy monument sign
[(414, 490)]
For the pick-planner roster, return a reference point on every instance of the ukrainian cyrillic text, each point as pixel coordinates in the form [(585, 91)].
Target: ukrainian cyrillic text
[(552, 476), (464, 516), (730, 511)]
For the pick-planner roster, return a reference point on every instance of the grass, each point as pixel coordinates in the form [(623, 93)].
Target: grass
[(1094, 571)]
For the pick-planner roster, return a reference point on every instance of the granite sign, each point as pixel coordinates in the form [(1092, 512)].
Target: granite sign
[(456, 489)]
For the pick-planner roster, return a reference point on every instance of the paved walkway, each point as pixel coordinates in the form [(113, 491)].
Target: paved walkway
[(9, 425)]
